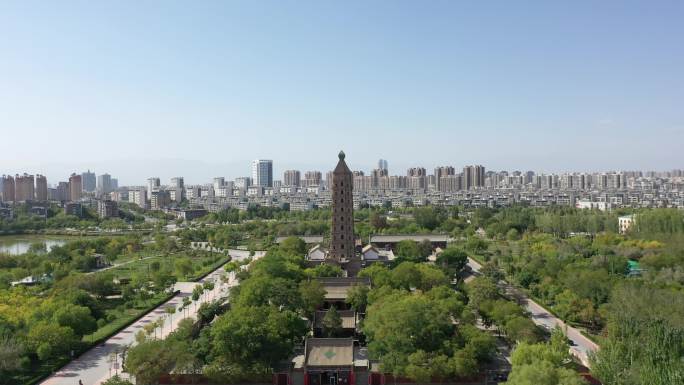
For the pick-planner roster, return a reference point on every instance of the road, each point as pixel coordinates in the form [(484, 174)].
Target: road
[(542, 317), (96, 365)]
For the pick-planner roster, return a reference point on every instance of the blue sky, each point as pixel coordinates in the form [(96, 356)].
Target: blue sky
[(199, 89)]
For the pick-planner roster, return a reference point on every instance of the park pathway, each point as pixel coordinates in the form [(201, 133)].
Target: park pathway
[(103, 361), (582, 346)]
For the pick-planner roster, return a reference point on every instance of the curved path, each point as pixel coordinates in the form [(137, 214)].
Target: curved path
[(582, 345)]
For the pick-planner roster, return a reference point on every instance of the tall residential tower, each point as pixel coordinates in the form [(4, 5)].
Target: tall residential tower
[(262, 173)]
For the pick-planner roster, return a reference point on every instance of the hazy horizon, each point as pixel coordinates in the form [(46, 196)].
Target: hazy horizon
[(171, 89)]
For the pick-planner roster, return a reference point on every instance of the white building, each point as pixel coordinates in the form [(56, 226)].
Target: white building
[(586, 204), (625, 223), (262, 172), (153, 184), (243, 182), (138, 196)]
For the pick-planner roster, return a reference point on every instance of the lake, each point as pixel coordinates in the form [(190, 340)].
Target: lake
[(19, 244)]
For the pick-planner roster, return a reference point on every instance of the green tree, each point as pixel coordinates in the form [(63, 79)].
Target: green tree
[(425, 248), (400, 324), (405, 276), (428, 217), (116, 380), (521, 329), (78, 318), (512, 235), (150, 359), (293, 246), (50, 340), (453, 259), (644, 324), (357, 297), (555, 351), (408, 250), (332, 323), (482, 289), (378, 221), (313, 296), (183, 267), (476, 245), (430, 276), (264, 335), (261, 290), (464, 363), (11, 352), (543, 373), (324, 270)]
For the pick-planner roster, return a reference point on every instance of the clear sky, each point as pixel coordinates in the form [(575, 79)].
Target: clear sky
[(163, 88)]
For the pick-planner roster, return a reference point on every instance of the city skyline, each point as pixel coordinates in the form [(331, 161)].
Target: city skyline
[(443, 83), (279, 171)]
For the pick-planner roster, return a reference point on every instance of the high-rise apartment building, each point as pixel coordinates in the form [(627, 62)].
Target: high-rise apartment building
[(24, 189), (177, 182), (473, 177), (292, 178), (450, 183), (88, 181), (138, 196), (104, 184), (159, 199), (107, 209), (62, 193), (75, 187), (416, 171), (262, 172), (416, 178), (243, 183), (441, 172), (41, 188), (115, 184), (397, 182), (218, 183), (328, 180), (382, 165), (417, 183), (8, 188), (312, 178), (177, 189), (153, 184), (379, 179), (579, 181)]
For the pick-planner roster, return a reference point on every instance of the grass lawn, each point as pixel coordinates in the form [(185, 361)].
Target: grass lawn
[(125, 317), (202, 264)]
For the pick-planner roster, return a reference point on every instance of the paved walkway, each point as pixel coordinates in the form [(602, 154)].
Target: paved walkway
[(99, 363), (119, 264), (542, 317)]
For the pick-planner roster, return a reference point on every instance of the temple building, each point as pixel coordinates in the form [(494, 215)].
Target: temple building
[(340, 359)]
